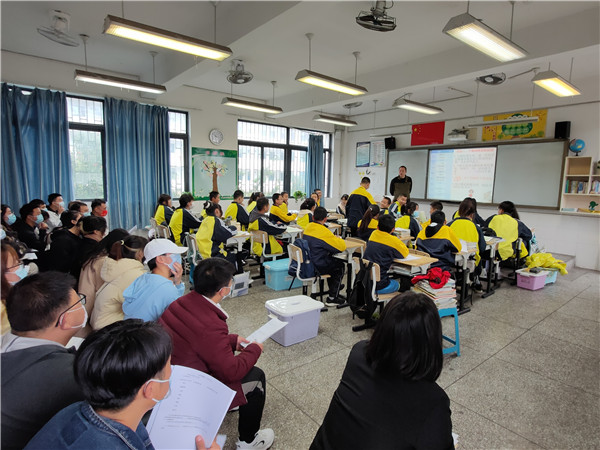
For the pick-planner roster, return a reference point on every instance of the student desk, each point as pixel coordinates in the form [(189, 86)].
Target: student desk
[(352, 245), (413, 264), (491, 246), (291, 233), (461, 262), (238, 240)]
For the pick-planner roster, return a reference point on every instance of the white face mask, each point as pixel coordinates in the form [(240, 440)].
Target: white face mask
[(229, 293), (168, 380), (85, 316)]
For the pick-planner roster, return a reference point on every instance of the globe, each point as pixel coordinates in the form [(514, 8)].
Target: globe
[(576, 145)]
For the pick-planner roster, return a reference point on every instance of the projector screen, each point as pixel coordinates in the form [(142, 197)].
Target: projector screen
[(458, 173)]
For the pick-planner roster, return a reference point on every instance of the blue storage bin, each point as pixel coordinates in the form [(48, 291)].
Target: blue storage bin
[(551, 277), (277, 277)]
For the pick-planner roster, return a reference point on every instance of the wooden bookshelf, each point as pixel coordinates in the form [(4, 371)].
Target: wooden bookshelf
[(578, 187)]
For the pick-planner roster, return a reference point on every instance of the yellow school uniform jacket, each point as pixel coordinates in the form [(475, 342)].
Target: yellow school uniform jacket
[(277, 214), (284, 207), (260, 222), (409, 223), (163, 214), (238, 213), (323, 244), (507, 228), (467, 231), (305, 220), (442, 244), (358, 202), (182, 220), (250, 207), (211, 237), (373, 224), (383, 248)]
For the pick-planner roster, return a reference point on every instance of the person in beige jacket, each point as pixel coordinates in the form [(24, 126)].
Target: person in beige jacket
[(120, 269)]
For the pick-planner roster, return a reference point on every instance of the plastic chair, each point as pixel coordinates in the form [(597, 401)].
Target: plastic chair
[(451, 312), (262, 238), (296, 255)]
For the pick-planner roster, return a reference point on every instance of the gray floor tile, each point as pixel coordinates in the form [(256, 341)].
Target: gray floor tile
[(455, 367), (583, 306), (557, 359), (477, 432), (546, 412), (591, 293), (311, 387), (572, 329)]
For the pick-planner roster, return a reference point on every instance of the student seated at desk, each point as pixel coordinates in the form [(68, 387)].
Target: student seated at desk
[(439, 241), (358, 203), (341, 207), (477, 219), (182, 219), (384, 205), (212, 236), (368, 223), (164, 210), (433, 207), (507, 225), (236, 210), (408, 219), (213, 197), (277, 214), (252, 202), (285, 196), (259, 221), (307, 209), (383, 247), (323, 245), (466, 230), (395, 208)]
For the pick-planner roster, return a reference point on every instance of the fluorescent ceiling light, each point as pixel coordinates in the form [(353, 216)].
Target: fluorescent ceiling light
[(125, 83), (333, 84), (556, 84), (140, 32), (244, 104), (490, 123), (475, 33), (417, 107), (374, 135), (334, 120)]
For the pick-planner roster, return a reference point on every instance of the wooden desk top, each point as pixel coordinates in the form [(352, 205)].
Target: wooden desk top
[(420, 261)]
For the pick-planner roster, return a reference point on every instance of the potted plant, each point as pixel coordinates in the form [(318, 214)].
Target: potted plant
[(299, 196)]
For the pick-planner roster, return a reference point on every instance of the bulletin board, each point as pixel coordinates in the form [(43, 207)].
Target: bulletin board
[(214, 170)]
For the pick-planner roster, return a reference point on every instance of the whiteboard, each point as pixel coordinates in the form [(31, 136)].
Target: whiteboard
[(530, 173), (416, 165)]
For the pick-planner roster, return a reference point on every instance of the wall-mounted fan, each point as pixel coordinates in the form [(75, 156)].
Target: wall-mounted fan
[(237, 74), (58, 29), (376, 19), (493, 79)]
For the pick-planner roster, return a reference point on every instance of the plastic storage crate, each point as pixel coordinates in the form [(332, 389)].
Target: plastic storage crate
[(241, 284), (531, 281), (277, 277), (302, 314), (552, 275)]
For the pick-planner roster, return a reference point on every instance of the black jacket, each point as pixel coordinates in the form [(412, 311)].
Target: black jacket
[(65, 253), (371, 411), (28, 237), (398, 180), (37, 382)]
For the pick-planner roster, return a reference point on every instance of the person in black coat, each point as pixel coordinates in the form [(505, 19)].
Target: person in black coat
[(387, 397), (66, 245)]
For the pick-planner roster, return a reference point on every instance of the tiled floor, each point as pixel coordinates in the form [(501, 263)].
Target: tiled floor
[(528, 376)]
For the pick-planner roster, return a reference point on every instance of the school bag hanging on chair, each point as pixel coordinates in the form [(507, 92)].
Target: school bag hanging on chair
[(307, 268), (361, 299)]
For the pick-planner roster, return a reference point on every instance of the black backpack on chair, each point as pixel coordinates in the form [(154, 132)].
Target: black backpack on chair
[(361, 300)]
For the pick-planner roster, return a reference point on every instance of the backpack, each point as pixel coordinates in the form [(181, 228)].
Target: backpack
[(361, 300), (307, 268)]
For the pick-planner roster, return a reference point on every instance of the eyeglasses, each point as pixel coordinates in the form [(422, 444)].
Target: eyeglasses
[(82, 300)]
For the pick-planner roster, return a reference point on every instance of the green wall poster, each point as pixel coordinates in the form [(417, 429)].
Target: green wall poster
[(214, 170)]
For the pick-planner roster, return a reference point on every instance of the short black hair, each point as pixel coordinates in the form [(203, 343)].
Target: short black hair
[(185, 199), (386, 223), (213, 194), (113, 363), (237, 194), (98, 202), (402, 167), (438, 217), (389, 202), (27, 210), (365, 180), (76, 205), (344, 197), (275, 197), (163, 199), (509, 208), (211, 275), (261, 203), (407, 341), (285, 192), (437, 205), (35, 302), (37, 202), (319, 214), (90, 224), (53, 197)]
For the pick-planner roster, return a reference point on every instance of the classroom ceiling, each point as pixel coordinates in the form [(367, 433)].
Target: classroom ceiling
[(269, 36)]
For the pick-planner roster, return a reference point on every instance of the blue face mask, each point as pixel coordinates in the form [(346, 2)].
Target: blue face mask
[(87, 214), (11, 219), (175, 258), (39, 219), (416, 214), (21, 272), (62, 204), (2, 233)]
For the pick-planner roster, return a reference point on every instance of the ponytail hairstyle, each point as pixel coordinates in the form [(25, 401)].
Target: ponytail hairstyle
[(207, 204), (127, 248), (409, 208), (90, 224), (370, 214), (309, 204), (509, 208), (254, 196), (163, 199), (104, 246), (67, 217), (212, 208), (466, 207)]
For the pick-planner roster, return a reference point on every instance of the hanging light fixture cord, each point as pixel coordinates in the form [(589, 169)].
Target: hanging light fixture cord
[(84, 38), (123, 9), (153, 53), (356, 54), (309, 36), (512, 16)]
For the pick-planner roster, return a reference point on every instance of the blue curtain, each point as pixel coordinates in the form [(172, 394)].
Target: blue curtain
[(315, 172), (35, 145), (137, 161)]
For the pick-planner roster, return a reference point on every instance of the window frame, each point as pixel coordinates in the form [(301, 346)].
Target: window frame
[(287, 165), (186, 148)]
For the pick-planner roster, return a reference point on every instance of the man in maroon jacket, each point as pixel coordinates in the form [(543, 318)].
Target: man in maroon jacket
[(201, 340)]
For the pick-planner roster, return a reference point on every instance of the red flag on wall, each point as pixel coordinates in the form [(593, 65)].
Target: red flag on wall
[(427, 133)]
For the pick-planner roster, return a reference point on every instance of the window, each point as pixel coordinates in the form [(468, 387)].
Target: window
[(273, 158), (86, 144), (178, 143)]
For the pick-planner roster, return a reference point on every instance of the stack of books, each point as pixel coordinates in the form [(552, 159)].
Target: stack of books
[(444, 297)]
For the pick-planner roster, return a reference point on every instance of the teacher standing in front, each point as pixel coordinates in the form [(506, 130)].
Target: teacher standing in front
[(402, 184)]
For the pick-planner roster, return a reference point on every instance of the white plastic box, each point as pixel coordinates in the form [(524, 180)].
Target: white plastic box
[(302, 314), (241, 283)]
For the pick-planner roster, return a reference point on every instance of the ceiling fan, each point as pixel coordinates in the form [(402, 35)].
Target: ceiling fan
[(376, 19), (58, 30), (237, 74)]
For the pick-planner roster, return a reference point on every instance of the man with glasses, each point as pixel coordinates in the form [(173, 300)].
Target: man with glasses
[(201, 340), (45, 312)]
